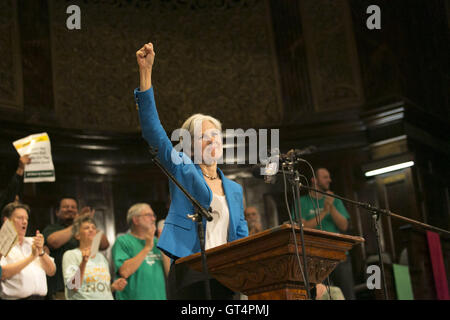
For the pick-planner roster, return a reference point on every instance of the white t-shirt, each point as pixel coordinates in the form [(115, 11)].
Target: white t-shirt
[(217, 229), (96, 284), (31, 280)]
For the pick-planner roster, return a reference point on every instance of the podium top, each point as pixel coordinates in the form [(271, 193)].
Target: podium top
[(271, 238)]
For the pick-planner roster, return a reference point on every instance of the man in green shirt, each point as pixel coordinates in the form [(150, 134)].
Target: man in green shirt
[(138, 260), (333, 217), (331, 212)]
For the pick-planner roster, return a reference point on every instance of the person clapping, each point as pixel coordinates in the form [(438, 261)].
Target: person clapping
[(25, 267)]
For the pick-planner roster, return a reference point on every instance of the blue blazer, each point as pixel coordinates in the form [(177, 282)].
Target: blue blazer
[(179, 237)]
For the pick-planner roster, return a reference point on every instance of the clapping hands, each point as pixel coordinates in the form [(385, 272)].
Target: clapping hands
[(38, 244), (87, 211)]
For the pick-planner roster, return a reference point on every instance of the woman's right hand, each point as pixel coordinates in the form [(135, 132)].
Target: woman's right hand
[(145, 57)]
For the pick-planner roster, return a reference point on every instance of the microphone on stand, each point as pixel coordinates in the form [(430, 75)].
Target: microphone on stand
[(268, 171), (298, 152)]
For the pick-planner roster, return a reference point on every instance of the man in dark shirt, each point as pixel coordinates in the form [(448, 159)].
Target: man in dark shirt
[(59, 238)]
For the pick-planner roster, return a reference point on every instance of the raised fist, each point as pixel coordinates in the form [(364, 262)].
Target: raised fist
[(145, 56)]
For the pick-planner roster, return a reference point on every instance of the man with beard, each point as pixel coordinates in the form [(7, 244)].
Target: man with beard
[(59, 238), (332, 217), (332, 214)]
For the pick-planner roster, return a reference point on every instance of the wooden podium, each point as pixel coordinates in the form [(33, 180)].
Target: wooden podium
[(265, 266)]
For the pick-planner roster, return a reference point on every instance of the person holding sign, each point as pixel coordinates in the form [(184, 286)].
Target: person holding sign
[(13, 188), (37, 146), (86, 274), (26, 266)]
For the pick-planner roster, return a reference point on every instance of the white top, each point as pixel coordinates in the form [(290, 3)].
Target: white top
[(31, 280), (96, 283), (217, 229)]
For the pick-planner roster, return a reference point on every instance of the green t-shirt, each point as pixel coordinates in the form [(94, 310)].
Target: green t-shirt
[(96, 284), (308, 209), (148, 282), (56, 283)]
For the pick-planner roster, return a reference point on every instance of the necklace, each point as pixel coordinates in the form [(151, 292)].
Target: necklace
[(209, 177)]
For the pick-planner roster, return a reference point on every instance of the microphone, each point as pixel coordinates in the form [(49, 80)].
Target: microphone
[(269, 168), (267, 172), (298, 152)]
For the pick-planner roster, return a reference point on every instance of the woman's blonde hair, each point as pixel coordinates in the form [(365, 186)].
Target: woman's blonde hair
[(189, 124)]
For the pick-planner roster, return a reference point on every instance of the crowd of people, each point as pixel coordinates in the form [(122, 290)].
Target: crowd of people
[(59, 264)]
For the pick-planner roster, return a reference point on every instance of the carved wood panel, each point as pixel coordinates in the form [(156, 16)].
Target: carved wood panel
[(211, 57), (11, 95), (332, 56)]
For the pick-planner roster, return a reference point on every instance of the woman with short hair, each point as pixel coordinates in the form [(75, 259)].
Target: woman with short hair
[(199, 174), (26, 266), (87, 277)]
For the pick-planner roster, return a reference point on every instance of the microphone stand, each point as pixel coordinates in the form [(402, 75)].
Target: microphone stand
[(296, 184), (198, 216), (376, 213)]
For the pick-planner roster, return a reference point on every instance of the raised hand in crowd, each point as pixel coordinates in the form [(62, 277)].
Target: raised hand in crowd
[(149, 237), (87, 211), (24, 160), (38, 242), (85, 254)]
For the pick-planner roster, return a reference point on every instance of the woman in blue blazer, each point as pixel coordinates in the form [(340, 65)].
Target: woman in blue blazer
[(202, 179)]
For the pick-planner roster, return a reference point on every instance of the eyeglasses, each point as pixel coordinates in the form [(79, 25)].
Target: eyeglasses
[(208, 136)]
